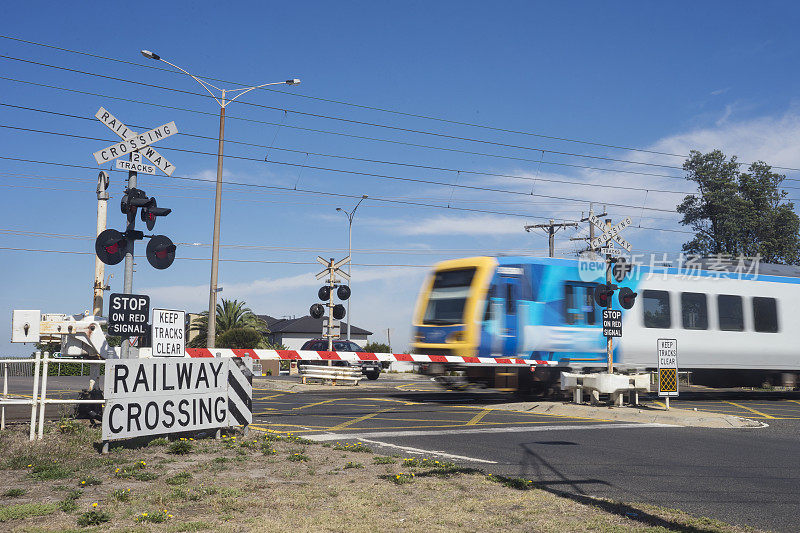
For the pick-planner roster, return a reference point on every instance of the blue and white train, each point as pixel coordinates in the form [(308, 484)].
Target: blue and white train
[(733, 326)]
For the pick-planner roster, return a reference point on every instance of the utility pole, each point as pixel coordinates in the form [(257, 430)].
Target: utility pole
[(552, 228), (609, 340), (99, 266), (591, 226), (127, 282)]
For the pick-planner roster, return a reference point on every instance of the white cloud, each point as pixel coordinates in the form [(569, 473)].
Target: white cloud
[(458, 225)]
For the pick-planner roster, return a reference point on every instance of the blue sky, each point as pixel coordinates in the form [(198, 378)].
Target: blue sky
[(665, 77)]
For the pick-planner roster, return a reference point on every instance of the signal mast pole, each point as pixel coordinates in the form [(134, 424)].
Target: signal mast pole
[(127, 282)]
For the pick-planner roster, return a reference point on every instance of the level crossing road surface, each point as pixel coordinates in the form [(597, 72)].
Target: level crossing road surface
[(743, 476)]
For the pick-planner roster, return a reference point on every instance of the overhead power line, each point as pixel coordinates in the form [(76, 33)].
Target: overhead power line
[(345, 120), (368, 107), (378, 161), (335, 194), (353, 172)]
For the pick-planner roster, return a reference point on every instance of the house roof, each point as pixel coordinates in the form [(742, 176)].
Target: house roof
[(304, 324)]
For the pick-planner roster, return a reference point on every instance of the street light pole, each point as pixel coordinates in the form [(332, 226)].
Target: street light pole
[(223, 102), (350, 216)]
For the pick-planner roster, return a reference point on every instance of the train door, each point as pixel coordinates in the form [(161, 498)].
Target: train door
[(510, 287)]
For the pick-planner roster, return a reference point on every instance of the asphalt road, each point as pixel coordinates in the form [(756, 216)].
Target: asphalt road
[(743, 476)]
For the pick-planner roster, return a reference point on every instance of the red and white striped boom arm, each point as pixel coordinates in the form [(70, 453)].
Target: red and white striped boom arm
[(313, 355)]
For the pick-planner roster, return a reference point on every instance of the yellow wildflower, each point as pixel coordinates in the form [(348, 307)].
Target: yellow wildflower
[(94, 504)]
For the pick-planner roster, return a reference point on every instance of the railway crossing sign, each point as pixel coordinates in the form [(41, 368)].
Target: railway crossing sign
[(667, 367), (334, 266), (134, 143), (609, 234)]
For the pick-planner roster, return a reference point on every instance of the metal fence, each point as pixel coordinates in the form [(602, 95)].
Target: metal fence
[(38, 367)]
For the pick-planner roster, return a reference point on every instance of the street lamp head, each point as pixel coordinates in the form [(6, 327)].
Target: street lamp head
[(150, 55), (364, 196), (338, 208), (293, 81)]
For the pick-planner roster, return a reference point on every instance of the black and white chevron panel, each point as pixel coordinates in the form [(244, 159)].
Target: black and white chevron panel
[(240, 391)]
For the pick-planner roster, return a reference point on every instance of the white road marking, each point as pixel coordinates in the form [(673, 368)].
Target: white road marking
[(437, 453), (516, 429)]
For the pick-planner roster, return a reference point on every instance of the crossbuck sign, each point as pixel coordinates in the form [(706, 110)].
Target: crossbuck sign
[(134, 143), (609, 234)]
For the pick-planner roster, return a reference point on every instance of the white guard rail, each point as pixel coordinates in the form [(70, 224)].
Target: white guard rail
[(39, 362), (330, 373), (605, 383)]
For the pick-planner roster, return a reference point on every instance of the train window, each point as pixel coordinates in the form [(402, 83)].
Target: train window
[(765, 315), (511, 301), (655, 305), (731, 315), (579, 303), (694, 310), (489, 295)]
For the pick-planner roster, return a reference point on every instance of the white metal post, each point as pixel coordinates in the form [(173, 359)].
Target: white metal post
[(5, 394), (42, 404), (349, 273), (35, 394)]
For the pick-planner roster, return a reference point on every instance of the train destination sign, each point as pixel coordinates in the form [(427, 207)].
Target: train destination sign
[(128, 314), (612, 323), (667, 350)]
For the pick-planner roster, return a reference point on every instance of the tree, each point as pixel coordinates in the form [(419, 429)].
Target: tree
[(377, 347), (231, 314), (739, 213), (240, 338)]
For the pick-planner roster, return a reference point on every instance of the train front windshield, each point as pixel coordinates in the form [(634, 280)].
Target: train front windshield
[(448, 297)]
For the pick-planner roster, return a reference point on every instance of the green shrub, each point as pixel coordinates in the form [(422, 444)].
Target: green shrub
[(358, 447), (13, 493), (351, 464), (88, 480), (298, 457), (380, 460), (45, 470), (401, 478)]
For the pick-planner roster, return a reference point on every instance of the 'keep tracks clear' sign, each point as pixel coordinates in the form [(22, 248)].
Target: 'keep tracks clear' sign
[(168, 395)]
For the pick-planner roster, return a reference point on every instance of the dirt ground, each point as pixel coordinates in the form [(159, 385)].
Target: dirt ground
[(279, 482)]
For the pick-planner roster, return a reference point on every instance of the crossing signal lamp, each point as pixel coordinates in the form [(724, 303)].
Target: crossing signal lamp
[(111, 246), (343, 292), (338, 311), (317, 310), (324, 293), (160, 252), (603, 293), (627, 297)]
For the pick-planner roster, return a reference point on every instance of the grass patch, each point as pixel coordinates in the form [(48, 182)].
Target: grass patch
[(21, 511), (161, 441), (70, 502), (155, 518), (145, 476), (191, 526), (69, 426), (180, 447), (46, 470), (298, 457), (89, 480), (516, 483), (357, 447), (351, 464), (401, 478), (381, 460), (94, 517), (121, 495), (297, 439), (179, 479), (267, 449), (13, 493)]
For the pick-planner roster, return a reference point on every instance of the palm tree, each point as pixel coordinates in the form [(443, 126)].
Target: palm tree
[(231, 314)]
